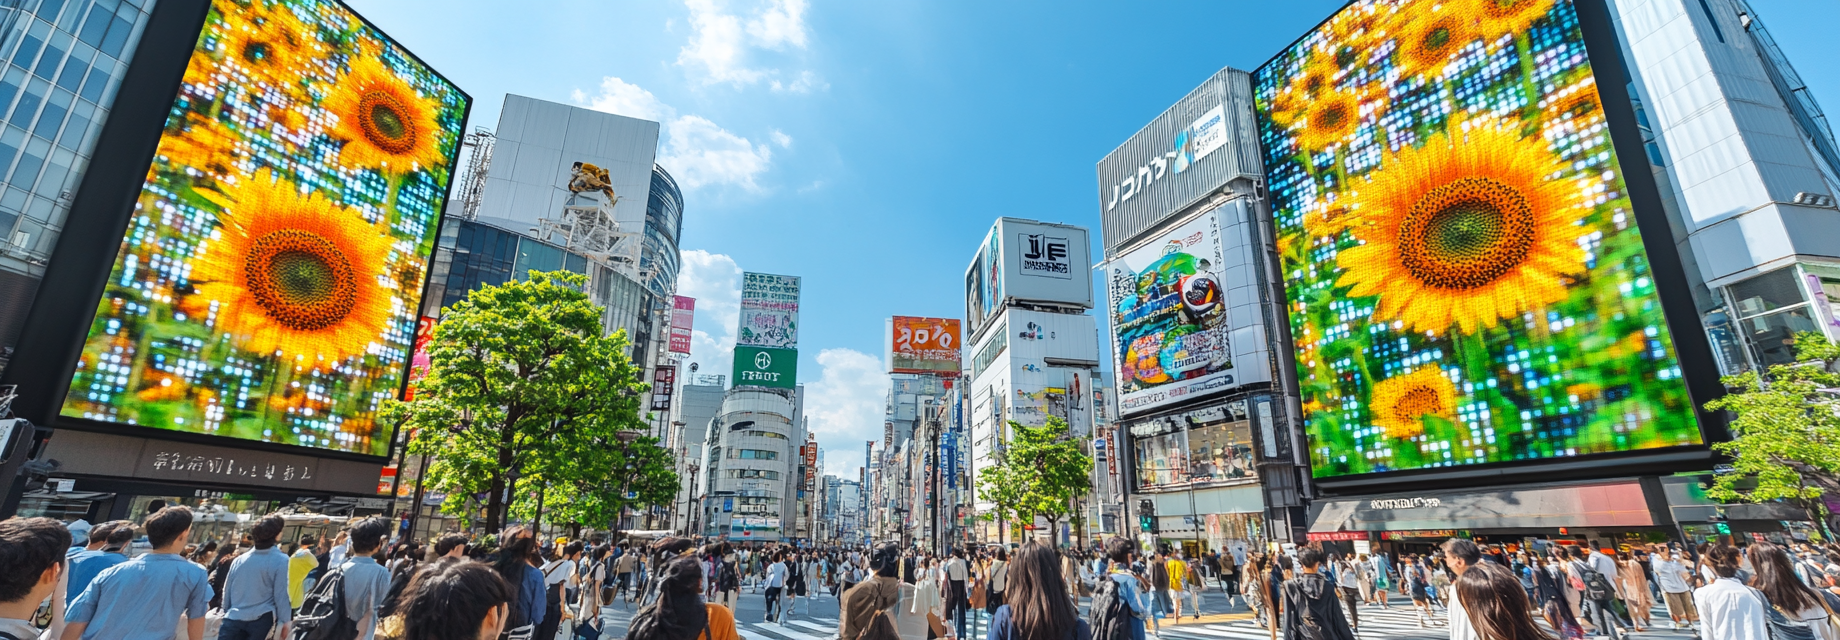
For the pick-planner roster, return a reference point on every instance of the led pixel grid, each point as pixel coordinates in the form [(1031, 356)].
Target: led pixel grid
[(268, 283), (1466, 280)]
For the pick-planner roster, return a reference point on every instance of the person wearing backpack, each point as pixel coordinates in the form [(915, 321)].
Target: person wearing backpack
[(1597, 594), (1798, 604), (513, 564), (344, 602), (1310, 609), (1120, 604)]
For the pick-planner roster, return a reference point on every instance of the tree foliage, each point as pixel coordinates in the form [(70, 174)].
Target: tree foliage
[(547, 396), (1785, 430), (1039, 472)]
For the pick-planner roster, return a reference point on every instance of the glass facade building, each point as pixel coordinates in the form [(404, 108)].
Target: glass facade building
[(664, 222), (478, 253), (63, 61)]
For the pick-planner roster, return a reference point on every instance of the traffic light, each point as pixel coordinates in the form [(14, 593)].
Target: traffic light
[(1146, 523)]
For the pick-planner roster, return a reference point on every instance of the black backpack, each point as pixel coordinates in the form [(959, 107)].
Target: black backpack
[(322, 614), (1111, 616), (1596, 587)]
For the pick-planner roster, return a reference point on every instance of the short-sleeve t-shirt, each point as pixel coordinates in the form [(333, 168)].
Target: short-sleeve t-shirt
[(721, 624)]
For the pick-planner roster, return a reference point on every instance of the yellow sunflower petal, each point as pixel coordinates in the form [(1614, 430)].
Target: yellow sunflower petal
[(1464, 233)]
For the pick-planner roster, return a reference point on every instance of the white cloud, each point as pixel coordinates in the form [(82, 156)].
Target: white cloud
[(780, 138), (804, 84), (695, 150), (627, 99), (700, 153), (723, 39), (715, 281), (846, 407)]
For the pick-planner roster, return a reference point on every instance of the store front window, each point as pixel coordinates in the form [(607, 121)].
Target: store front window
[(1205, 447), (1773, 308)]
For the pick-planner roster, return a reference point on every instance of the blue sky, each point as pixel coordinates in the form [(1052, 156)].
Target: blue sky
[(868, 146)]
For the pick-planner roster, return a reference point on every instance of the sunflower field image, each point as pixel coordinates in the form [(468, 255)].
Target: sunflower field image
[(269, 282), (1466, 281)]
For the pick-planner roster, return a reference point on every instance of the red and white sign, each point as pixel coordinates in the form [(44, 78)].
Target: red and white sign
[(683, 314), (418, 358), (1339, 536)]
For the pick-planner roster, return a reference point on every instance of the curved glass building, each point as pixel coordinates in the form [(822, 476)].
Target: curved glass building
[(664, 221)]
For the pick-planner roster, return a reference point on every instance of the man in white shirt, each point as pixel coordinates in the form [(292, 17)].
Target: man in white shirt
[(776, 583), (1730, 610), (1676, 589), (1460, 555)]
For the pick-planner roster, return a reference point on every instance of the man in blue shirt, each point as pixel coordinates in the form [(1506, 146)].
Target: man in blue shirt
[(256, 591), (1130, 589), (107, 548), (148, 595), (366, 582)]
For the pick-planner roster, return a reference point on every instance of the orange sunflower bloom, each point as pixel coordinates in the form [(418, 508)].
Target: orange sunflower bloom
[(1323, 218), (293, 274), (384, 122), (1465, 232), (1430, 41), (1331, 117), (1401, 403), (1508, 17), (1318, 75), (271, 47)]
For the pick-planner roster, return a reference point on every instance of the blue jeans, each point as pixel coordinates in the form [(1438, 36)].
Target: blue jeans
[(256, 629)]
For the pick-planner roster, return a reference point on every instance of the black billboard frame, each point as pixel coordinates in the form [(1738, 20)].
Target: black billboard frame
[(51, 342), (1692, 348)]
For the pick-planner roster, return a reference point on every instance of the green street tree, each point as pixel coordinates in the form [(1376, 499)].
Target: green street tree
[(1039, 472), (520, 383), (593, 482), (1785, 430)]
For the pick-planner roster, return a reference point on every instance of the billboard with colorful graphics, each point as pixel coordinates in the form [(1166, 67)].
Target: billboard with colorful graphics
[(769, 311), (1468, 282), (266, 287), (1169, 321), (924, 345)]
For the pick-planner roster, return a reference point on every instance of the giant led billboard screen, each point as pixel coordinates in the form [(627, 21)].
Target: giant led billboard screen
[(267, 285), (1467, 283)]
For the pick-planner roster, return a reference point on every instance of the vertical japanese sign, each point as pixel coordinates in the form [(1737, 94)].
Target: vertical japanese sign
[(664, 381), (769, 311), (683, 315)]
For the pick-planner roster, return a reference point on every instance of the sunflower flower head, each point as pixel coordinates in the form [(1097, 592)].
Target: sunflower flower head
[(293, 274), (1401, 403), (1331, 117), (1429, 41), (1498, 18), (1465, 232), (385, 122)]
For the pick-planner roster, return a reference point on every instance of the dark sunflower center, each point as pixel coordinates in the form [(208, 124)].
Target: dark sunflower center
[(1466, 234), (1331, 116), (385, 122), (301, 279), (258, 52), (1418, 402), (1436, 39)]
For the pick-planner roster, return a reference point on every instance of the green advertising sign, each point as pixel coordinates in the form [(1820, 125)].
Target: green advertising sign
[(766, 367)]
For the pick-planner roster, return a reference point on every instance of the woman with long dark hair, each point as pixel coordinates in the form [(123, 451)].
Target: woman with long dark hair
[(679, 613), (1036, 606), (513, 564), (1777, 580), (454, 599), (1497, 604)]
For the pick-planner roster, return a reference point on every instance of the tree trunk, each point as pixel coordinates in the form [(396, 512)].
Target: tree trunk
[(495, 501), (536, 523)]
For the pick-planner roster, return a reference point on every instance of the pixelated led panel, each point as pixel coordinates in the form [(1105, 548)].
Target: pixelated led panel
[(267, 285), (1466, 280)]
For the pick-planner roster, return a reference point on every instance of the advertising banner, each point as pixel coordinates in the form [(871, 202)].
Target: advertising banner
[(769, 311), (1472, 289), (275, 300), (664, 383), (924, 346), (984, 282), (1045, 263), (1206, 140), (683, 316), (418, 359), (763, 367), (1168, 318)]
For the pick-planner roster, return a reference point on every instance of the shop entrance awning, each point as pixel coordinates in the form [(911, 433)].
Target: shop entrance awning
[(1602, 505)]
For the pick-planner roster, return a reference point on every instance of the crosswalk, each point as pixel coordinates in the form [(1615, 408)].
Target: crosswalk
[(811, 629), (1397, 622)]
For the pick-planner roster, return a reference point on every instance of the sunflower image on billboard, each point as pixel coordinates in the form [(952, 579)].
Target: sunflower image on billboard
[(268, 284), (1466, 280)]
